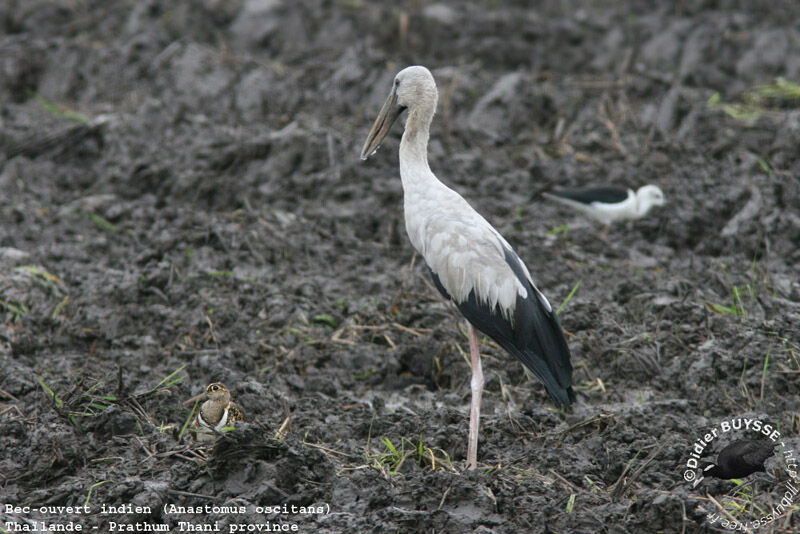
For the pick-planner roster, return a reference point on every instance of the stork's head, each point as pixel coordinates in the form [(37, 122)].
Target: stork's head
[(648, 196), (413, 89)]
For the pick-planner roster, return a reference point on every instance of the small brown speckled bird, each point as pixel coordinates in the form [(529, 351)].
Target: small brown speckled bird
[(216, 413)]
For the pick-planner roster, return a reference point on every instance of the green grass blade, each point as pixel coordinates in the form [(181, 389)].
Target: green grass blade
[(103, 223), (91, 489), (571, 503), (188, 419), (50, 392), (168, 380), (569, 297), (59, 111)]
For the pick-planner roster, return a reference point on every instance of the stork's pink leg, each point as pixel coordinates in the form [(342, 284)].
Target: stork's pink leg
[(476, 385)]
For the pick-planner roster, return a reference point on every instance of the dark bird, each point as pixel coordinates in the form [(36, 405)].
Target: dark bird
[(610, 204), (740, 458), (470, 262)]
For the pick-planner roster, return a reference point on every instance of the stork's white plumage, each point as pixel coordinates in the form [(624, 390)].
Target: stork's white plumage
[(470, 262)]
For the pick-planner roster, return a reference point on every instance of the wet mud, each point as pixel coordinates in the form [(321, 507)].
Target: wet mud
[(182, 202)]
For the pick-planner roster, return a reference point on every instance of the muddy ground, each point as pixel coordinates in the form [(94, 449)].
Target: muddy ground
[(182, 202)]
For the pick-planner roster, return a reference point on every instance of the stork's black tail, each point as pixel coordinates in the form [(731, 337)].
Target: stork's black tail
[(539, 343), (533, 334)]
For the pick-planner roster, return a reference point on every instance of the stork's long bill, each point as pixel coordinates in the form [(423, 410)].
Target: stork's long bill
[(388, 114)]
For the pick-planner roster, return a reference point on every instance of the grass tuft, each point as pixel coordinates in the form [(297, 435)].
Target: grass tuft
[(171, 379), (50, 393), (393, 457), (326, 320), (761, 100), (42, 277), (738, 293), (17, 309)]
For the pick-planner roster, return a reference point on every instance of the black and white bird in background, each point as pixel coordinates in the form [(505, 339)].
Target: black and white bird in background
[(740, 459), (610, 204), (469, 261)]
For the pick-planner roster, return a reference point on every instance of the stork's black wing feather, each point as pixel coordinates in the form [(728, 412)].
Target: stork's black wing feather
[(588, 195), (534, 334)]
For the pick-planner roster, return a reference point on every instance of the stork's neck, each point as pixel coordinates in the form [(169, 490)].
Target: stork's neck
[(414, 168)]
